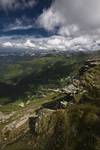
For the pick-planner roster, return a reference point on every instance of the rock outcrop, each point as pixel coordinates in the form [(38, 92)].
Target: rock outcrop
[(72, 121), (76, 127)]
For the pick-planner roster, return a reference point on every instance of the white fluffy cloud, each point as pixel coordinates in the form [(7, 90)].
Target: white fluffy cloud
[(71, 15), (60, 43), (14, 4), (50, 19), (78, 22), (7, 44), (68, 30)]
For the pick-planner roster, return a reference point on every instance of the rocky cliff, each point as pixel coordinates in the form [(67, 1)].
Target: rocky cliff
[(72, 121), (75, 127)]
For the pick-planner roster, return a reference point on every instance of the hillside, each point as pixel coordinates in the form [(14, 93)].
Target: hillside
[(77, 126), (24, 76), (69, 120)]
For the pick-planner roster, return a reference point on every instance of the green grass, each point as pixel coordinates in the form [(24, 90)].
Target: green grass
[(35, 102)]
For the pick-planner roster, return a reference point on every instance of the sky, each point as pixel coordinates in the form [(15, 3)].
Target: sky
[(50, 24)]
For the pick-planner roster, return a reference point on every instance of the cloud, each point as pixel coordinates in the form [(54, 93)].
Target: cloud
[(58, 43), (83, 14), (14, 4), (50, 19), (7, 44), (68, 30), (77, 23), (19, 24), (29, 44)]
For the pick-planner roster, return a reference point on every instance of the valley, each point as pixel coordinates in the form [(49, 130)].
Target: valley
[(44, 100)]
